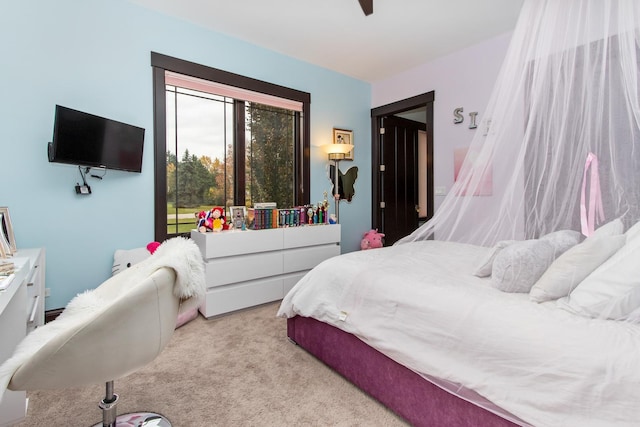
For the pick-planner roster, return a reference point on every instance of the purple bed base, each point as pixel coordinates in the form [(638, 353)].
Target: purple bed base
[(401, 390)]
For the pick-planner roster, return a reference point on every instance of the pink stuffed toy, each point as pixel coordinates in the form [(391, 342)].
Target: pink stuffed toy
[(371, 240)]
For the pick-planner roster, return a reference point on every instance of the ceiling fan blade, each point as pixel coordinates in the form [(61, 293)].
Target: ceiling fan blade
[(367, 6)]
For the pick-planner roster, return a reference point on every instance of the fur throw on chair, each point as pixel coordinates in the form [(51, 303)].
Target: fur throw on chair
[(180, 254), (184, 257)]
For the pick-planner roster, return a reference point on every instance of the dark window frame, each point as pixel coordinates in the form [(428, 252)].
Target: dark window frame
[(162, 63)]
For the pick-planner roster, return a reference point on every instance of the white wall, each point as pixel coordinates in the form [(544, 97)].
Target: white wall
[(462, 79)]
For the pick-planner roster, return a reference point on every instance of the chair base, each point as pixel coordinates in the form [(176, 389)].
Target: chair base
[(139, 419)]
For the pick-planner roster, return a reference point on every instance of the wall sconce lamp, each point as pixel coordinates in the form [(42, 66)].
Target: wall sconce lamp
[(337, 153)]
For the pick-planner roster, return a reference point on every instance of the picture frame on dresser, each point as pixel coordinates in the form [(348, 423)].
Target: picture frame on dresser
[(238, 215), (7, 230), (4, 247)]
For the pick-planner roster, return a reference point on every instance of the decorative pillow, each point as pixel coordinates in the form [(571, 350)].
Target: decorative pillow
[(125, 258), (519, 266), (570, 268), (612, 228), (562, 240), (613, 280), (484, 270)]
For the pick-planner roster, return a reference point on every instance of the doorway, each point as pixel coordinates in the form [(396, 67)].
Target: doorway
[(402, 166)]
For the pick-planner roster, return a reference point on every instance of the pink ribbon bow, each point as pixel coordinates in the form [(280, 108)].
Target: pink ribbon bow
[(587, 219)]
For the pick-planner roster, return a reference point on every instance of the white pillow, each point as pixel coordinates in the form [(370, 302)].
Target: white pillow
[(612, 228), (634, 316), (573, 266), (621, 307), (519, 266), (484, 270), (633, 231), (614, 279)]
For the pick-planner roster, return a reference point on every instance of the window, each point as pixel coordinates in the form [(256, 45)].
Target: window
[(224, 140)]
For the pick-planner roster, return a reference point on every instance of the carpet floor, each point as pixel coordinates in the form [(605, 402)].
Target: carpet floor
[(235, 370)]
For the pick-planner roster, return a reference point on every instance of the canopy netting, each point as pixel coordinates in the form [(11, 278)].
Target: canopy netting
[(564, 111)]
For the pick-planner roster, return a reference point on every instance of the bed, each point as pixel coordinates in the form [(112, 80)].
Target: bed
[(417, 328)]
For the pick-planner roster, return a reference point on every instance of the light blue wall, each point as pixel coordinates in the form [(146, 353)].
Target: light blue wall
[(95, 56)]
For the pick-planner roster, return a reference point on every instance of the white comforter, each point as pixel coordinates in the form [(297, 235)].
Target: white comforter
[(420, 304)]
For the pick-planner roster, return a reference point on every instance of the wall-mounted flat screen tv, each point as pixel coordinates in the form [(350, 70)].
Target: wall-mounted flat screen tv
[(87, 140)]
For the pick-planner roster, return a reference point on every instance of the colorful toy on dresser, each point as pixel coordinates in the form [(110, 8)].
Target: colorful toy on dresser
[(213, 220), (265, 218), (303, 215), (267, 215)]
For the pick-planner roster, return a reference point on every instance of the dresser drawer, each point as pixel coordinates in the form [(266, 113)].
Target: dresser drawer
[(296, 237), (306, 258), (290, 280), (237, 242), (247, 268), (225, 299), (224, 271)]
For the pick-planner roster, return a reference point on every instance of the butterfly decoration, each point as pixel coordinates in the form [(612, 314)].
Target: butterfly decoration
[(346, 182)]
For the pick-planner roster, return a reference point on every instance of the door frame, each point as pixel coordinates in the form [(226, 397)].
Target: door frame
[(418, 101)]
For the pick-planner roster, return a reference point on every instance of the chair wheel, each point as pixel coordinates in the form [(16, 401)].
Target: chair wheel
[(140, 419)]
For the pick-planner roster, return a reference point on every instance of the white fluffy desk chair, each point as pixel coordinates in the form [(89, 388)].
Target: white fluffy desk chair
[(111, 331)]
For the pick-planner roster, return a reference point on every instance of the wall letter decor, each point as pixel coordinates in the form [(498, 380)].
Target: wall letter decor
[(457, 117), (472, 118)]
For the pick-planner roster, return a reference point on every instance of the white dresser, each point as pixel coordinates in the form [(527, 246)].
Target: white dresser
[(247, 268), (21, 311)]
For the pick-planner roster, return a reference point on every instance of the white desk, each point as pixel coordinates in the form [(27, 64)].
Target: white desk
[(21, 309)]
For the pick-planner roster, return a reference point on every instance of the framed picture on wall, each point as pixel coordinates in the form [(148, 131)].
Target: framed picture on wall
[(7, 229), (344, 136)]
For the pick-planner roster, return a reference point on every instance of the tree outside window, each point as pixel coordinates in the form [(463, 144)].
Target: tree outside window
[(221, 150)]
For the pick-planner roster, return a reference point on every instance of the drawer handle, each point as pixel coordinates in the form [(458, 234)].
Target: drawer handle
[(34, 271), (34, 309)]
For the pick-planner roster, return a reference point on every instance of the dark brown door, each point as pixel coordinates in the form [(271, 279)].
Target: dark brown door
[(398, 212), (402, 165)]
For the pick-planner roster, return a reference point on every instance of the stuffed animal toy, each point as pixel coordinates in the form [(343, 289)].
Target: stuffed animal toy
[(123, 259), (205, 221), (213, 220), (218, 220), (371, 240)]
